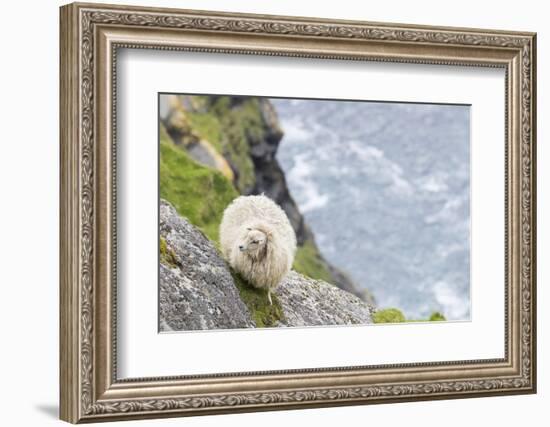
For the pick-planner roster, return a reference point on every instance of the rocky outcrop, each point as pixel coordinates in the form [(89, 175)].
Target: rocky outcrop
[(196, 287), (198, 291), (307, 302)]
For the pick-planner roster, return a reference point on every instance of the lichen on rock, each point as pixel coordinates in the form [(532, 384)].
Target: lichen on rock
[(309, 302), (198, 292)]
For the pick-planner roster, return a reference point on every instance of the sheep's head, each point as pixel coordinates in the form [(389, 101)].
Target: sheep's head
[(254, 241)]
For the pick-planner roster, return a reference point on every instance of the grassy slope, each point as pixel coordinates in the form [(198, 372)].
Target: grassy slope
[(309, 263), (198, 193)]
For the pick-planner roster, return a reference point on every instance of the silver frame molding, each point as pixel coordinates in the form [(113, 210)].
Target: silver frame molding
[(90, 37)]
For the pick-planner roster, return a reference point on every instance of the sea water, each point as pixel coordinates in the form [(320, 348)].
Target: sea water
[(385, 188)]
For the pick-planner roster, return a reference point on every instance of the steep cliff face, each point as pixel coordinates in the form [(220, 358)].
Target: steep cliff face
[(239, 137), (198, 291)]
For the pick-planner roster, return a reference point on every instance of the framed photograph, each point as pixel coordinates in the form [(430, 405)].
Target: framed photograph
[(267, 212)]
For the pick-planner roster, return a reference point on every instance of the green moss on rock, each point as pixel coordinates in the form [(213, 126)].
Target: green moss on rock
[(197, 192), (437, 317), (308, 262), (388, 315), (167, 254), (264, 314), (394, 315)]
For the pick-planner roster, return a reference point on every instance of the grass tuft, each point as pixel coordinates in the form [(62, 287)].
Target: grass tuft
[(167, 254), (437, 317), (264, 314), (388, 315), (394, 315)]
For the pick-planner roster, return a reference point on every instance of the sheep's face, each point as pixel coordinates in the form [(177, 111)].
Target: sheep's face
[(253, 241)]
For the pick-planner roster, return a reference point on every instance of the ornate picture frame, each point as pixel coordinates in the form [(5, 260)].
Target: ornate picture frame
[(90, 37)]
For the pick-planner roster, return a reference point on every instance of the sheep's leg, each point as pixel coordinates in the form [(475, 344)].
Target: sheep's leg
[(269, 296)]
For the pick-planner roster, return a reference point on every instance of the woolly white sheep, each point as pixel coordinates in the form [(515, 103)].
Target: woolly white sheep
[(258, 241)]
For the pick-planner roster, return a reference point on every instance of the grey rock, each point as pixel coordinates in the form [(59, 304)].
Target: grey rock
[(198, 292), (308, 302)]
